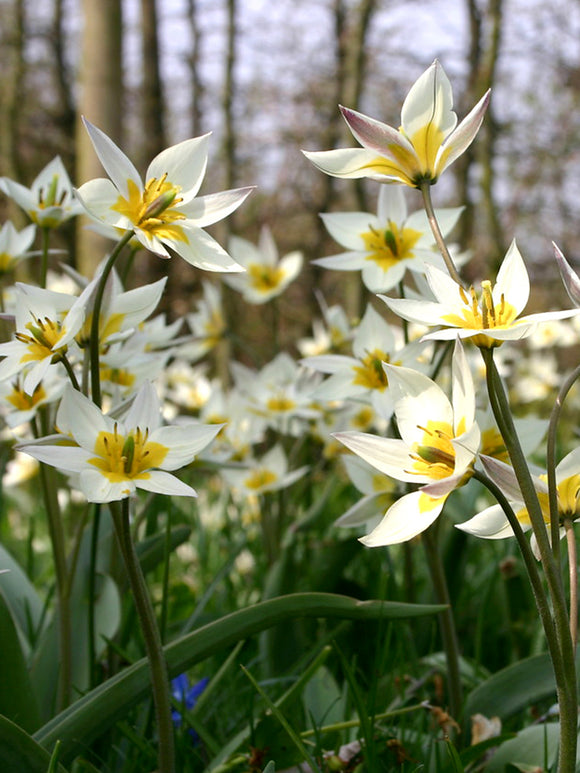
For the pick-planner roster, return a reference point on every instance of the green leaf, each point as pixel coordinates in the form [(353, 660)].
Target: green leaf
[(513, 689), (323, 700), (17, 698), (21, 597), (532, 746), (20, 752), (92, 714)]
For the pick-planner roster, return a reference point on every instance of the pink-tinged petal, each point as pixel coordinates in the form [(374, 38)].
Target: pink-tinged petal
[(165, 483), (202, 251), (491, 523), (391, 205), (408, 517), (206, 210), (346, 227), (354, 163), (429, 101), (184, 164), (458, 142), (418, 400), (184, 442), (387, 455), (463, 392), (98, 197), (504, 476), (512, 281), (382, 139), (569, 276), (116, 164)]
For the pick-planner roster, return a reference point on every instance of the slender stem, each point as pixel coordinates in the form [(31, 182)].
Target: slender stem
[(45, 235), (151, 636), (69, 369), (573, 574), (95, 321), (529, 561), (58, 545), (438, 236), (446, 621), (563, 656), (92, 594), (551, 461)]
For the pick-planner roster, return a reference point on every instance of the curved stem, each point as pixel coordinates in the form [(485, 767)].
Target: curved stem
[(529, 561), (437, 235), (69, 369), (563, 656), (446, 621), (573, 574), (151, 636), (94, 342), (551, 461)]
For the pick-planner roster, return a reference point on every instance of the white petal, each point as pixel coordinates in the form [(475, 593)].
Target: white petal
[(184, 164), (184, 442), (512, 281), (388, 455), (429, 101), (491, 523), (462, 137), (346, 227), (165, 483), (350, 163), (206, 210), (391, 206), (204, 252), (116, 164), (408, 517)]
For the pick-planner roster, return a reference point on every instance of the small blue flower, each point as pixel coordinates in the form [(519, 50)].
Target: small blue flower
[(186, 696)]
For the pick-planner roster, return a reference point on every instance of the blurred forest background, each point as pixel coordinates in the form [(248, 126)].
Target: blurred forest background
[(266, 78)]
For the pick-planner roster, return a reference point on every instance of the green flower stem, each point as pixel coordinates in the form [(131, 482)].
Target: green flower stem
[(438, 236), (337, 727), (562, 655), (573, 573), (92, 592), (45, 236), (551, 461), (62, 579), (94, 342), (151, 636), (531, 565), (69, 369), (446, 621)]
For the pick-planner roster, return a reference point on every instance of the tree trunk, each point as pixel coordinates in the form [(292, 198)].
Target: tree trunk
[(100, 101)]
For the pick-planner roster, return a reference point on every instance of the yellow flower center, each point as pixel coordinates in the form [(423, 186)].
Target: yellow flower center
[(119, 376), (434, 455), (492, 444), (427, 140), (568, 497), (483, 314), (23, 402), (151, 210), (264, 278), (214, 328), (260, 478), (123, 457), (371, 374), (7, 262), (386, 248), (44, 336), (280, 404)]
